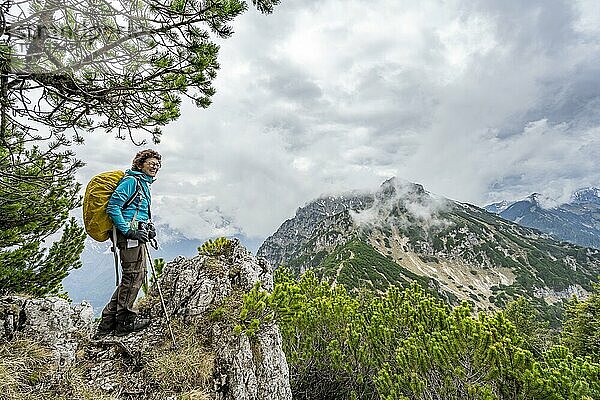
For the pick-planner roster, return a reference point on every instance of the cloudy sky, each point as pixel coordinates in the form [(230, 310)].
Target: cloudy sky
[(477, 100)]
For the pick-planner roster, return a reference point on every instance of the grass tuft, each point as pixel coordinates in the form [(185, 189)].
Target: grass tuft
[(27, 372), (188, 370), (195, 395), (23, 364)]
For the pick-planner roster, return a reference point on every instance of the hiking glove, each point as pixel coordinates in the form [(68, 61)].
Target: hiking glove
[(151, 231), (141, 235)]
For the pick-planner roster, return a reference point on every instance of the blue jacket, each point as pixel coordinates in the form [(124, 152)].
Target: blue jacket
[(140, 208)]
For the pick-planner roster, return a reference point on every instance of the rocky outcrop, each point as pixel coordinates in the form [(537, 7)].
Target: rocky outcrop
[(51, 321), (245, 368), (203, 296), (295, 233), (251, 369)]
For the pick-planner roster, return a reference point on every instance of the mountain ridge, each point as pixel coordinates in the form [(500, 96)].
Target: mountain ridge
[(459, 250), (577, 221)]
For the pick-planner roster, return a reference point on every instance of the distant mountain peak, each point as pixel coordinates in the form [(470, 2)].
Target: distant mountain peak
[(542, 201), (399, 188), (497, 208), (576, 221), (400, 183), (586, 195), (534, 198)]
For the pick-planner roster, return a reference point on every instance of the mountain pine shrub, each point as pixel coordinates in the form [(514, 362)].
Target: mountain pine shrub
[(581, 330), (219, 246), (406, 344), (530, 325)]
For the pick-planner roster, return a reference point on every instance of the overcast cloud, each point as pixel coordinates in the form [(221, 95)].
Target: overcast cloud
[(477, 100)]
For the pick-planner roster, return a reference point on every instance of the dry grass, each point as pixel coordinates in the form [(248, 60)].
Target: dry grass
[(195, 395), (213, 266), (72, 386), (188, 370), (27, 372), (23, 364), (146, 303)]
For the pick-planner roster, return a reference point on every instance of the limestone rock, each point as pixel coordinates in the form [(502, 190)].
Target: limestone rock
[(239, 367), (51, 321), (246, 368)]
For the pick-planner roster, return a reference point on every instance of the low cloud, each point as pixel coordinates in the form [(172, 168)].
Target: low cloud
[(479, 101), (402, 204)]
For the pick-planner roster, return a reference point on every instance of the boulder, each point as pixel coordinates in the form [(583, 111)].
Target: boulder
[(51, 321)]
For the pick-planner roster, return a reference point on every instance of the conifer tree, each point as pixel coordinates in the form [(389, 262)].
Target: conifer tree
[(534, 332), (581, 330), (110, 65), (75, 66), (37, 191)]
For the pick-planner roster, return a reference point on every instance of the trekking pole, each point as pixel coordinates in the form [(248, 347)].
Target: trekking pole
[(114, 249), (162, 299)]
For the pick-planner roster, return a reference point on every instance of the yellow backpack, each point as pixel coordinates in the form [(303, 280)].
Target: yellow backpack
[(97, 193)]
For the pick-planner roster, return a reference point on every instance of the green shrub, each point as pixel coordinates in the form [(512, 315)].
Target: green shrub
[(406, 344), (533, 330), (219, 246), (581, 331)]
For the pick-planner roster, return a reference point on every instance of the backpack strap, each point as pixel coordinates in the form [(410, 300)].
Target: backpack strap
[(138, 189), (147, 196)]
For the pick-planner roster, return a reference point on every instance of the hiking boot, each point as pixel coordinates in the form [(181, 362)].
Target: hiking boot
[(131, 325), (105, 327)]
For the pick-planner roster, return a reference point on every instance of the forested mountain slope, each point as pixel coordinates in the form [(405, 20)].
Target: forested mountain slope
[(402, 233)]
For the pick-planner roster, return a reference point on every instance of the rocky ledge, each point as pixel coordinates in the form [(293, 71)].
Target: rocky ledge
[(203, 296)]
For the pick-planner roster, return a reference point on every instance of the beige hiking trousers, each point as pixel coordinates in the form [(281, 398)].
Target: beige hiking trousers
[(133, 270)]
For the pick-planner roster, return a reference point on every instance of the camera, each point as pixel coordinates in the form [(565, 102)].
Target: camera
[(143, 226), (148, 227)]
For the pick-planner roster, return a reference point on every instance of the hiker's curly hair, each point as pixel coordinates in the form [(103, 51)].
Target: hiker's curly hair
[(141, 157)]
